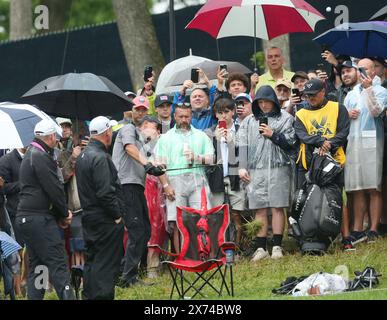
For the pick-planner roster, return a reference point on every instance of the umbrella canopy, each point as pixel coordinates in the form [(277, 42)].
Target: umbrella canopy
[(362, 39), (8, 245), (78, 95), (176, 66), (265, 19), (17, 123), (176, 72)]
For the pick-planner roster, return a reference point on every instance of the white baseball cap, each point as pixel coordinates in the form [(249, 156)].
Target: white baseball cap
[(99, 125), (45, 127), (60, 121)]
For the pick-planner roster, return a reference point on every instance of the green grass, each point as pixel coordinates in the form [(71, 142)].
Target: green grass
[(255, 281)]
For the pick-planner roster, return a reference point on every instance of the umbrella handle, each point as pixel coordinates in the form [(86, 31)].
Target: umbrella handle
[(255, 36)]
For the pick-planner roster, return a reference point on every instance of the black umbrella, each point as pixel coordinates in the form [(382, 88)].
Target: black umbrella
[(78, 95)]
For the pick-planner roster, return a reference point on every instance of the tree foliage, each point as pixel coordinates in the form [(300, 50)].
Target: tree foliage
[(80, 13)]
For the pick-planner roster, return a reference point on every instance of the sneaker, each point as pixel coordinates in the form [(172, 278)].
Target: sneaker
[(276, 253), (347, 244), (357, 237), (372, 236), (260, 254)]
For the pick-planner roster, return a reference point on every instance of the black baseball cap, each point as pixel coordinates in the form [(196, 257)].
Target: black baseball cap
[(347, 64), (313, 86), (162, 98), (380, 60)]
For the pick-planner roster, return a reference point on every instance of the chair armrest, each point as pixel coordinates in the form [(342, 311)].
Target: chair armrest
[(228, 246), (159, 249)]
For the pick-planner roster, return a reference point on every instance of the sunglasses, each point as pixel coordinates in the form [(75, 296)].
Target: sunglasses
[(184, 104)]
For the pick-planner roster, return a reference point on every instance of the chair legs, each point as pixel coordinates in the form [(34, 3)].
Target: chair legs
[(204, 277)]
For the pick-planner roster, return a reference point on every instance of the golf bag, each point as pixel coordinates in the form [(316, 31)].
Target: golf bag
[(317, 206)]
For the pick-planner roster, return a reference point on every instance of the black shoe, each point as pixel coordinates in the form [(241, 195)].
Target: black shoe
[(357, 237), (372, 236)]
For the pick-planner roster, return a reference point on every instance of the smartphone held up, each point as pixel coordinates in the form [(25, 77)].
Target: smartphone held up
[(148, 73), (222, 124), (195, 75), (263, 120)]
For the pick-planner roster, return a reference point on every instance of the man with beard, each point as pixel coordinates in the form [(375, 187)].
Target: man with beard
[(184, 150), (349, 78)]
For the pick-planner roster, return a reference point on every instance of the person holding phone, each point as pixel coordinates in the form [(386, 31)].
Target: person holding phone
[(266, 141), (243, 103), (363, 172), (149, 89), (224, 178), (349, 77), (235, 83), (201, 99), (296, 101)]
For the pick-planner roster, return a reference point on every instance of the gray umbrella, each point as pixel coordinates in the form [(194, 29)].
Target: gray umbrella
[(78, 95)]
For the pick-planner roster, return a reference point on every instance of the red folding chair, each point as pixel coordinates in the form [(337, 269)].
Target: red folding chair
[(204, 251)]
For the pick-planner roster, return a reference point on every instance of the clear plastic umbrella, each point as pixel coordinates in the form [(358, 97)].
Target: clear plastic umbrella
[(176, 72)]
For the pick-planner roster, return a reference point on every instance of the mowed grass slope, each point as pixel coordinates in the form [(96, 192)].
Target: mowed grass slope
[(255, 281)]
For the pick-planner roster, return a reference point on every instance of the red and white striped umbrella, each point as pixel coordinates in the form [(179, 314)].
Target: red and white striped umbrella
[(265, 19)]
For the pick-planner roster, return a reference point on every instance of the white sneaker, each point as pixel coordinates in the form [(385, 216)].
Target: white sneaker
[(276, 253), (260, 254)]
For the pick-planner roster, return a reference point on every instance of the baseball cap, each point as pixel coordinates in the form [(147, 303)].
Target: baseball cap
[(313, 86), (243, 96), (153, 120), (60, 121), (283, 82), (348, 64), (299, 74), (45, 127), (99, 125), (140, 101), (380, 60), (162, 98)]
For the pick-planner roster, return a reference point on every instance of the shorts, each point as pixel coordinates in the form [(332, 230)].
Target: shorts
[(237, 198), (188, 187)]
